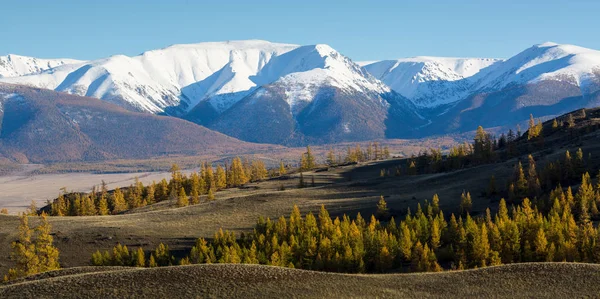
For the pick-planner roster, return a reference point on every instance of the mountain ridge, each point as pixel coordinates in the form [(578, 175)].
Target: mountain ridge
[(314, 90)]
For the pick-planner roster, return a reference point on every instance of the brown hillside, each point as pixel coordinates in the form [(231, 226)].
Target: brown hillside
[(39, 125)]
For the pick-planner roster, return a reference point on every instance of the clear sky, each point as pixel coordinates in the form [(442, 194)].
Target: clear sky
[(362, 30)]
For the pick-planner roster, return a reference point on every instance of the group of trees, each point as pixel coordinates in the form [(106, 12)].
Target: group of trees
[(188, 190), (180, 189), (485, 148), (33, 252), (121, 256), (420, 242), (373, 152)]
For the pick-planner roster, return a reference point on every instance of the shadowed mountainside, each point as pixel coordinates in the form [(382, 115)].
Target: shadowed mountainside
[(38, 125)]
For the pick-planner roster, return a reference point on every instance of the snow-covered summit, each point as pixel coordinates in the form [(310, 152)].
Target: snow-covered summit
[(433, 81), (546, 61), (15, 65), (305, 70), (429, 81), (157, 79)]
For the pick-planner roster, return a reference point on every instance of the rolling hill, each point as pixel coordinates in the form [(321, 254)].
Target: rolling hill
[(533, 280)]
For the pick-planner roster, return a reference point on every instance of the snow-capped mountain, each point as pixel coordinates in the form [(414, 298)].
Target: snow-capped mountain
[(315, 94), (14, 65), (283, 93), (179, 75), (545, 80), (547, 61), (430, 81), (433, 81)]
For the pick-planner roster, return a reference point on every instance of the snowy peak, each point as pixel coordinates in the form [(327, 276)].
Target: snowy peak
[(176, 76), (429, 81), (546, 61), (304, 71), (15, 65)]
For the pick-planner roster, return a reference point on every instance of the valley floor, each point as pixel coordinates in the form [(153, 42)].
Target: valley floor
[(17, 190)]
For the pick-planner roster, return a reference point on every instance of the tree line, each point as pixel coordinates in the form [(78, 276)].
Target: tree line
[(182, 189), (190, 190)]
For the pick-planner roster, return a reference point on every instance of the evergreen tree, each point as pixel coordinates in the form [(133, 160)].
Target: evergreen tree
[(103, 206), (47, 253), (33, 256), (23, 253), (118, 201), (282, 169), (182, 198), (521, 188), (308, 161), (554, 124), (382, 209), (533, 182), (466, 204), (221, 178), (570, 121), (140, 258), (211, 195), (150, 191)]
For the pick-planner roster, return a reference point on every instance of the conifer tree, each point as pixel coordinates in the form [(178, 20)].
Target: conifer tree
[(382, 210), (150, 191), (259, 171), (570, 121), (103, 206), (152, 261), (540, 244), (182, 198), (521, 188), (282, 169), (308, 160), (554, 124), (47, 253), (23, 253), (239, 177), (533, 182), (195, 195), (221, 178), (435, 204), (386, 152), (466, 204), (140, 258), (211, 195), (162, 191), (118, 201)]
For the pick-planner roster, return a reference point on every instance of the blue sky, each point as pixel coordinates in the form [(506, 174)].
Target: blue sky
[(362, 30)]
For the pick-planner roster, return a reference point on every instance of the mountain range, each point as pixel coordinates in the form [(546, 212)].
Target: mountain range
[(266, 92)]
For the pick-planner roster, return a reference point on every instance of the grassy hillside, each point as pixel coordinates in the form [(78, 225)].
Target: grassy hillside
[(536, 280)]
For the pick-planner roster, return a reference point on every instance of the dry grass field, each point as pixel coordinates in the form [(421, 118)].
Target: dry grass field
[(534, 280)]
